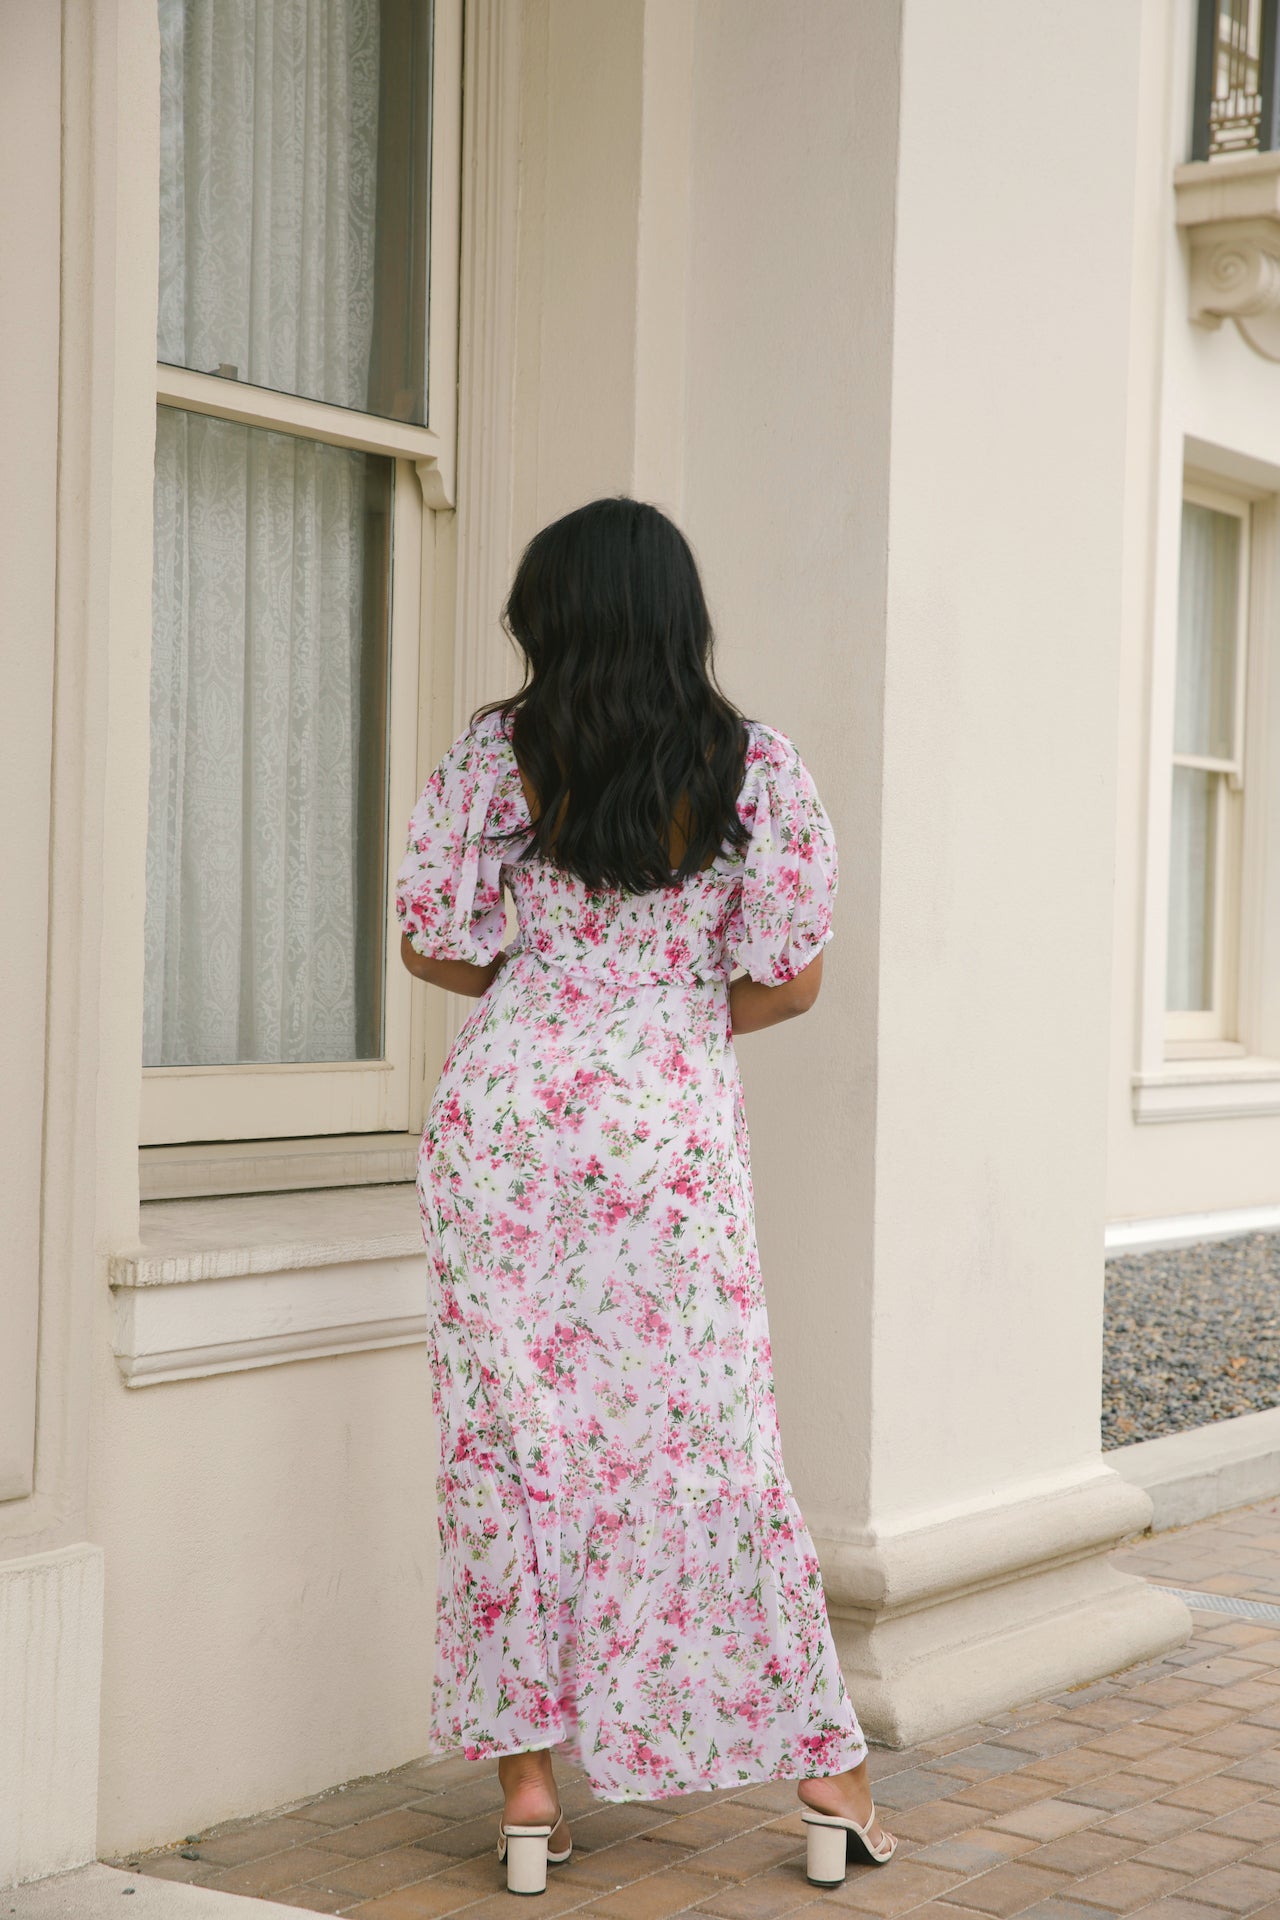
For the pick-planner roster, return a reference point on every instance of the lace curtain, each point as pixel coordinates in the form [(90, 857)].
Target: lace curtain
[(260, 691)]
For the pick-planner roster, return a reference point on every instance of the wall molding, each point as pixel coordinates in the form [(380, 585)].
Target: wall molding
[(219, 1286), (483, 664)]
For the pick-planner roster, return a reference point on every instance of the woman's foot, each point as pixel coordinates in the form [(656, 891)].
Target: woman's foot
[(848, 1796), (529, 1785)]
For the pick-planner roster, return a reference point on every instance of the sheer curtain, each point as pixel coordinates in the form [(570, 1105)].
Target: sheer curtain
[(1204, 723), (261, 597)]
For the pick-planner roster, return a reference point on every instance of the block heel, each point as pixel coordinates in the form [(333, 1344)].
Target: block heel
[(831, 1841), (527, 1851)]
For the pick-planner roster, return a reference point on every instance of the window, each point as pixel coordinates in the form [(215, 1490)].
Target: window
[(1207, 800), (298, 361)]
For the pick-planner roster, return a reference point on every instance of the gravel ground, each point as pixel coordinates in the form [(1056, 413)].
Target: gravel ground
[(1192, 1335)]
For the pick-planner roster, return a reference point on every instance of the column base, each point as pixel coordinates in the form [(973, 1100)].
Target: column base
[(955, 1617), (50, 1682)]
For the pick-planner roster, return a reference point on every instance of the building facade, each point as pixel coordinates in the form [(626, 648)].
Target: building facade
[(923, 322)]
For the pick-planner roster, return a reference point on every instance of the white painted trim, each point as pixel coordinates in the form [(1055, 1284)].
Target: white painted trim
[(219, 1285), (1212, 1090), (484, 664), (202, 1169), (50, 1686), (1207, 1470), (1189, 1229), (292, 413)]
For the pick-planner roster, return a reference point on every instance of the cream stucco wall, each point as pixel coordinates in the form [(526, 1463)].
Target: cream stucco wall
[(1187, 384), (772, 271)]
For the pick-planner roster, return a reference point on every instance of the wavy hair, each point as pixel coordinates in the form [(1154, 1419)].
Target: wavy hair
[(619, 725)]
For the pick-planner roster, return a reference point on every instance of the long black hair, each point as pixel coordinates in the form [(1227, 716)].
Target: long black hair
[(619, 725)]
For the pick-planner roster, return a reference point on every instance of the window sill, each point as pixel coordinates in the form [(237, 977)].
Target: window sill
[(1208, 1089), (221, 1285)]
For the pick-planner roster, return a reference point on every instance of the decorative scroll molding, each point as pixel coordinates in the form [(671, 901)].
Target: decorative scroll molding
[(1231, 210)]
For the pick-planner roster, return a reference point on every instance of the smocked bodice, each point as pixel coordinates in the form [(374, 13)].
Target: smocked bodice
[(766, 907)]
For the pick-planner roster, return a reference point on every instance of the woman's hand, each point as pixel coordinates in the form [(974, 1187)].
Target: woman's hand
[(456, 976), (753, 1005)]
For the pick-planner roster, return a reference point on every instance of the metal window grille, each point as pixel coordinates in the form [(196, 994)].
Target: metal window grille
[(1236, 95)]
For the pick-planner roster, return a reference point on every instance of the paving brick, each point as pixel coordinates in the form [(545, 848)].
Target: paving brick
[(313, 1899), (341, 1805), (558, 1898), (1133, 1741), (1257, 1820), (1199, 1717), (913, 1787), (1181, 1763), (1152, 1820), (1179, 1907), (932, 1822), (373, 1873), (1214, 1794), (623, 1821), (1000, 1795), (1081, 1853), (1238, 1738), (1071, 1766), (1262, 1769), (767, 1897), (748, 1853), (630, 1860), (984, 1758), (892, 1889), (283, 1869), (1251, 1694), (1041, 1737), (229, 1846), (1061, 1907), (425, 1900), (1197, 1851), (1115, 1790), (1239, 1889), (973, 1851), (1121, 1888), (1046, 1819), (652, 1899), (1008, 1889), (395, 1828), (711, 1825)]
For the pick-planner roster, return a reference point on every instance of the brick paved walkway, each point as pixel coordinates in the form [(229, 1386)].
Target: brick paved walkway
[(1157, 1790)]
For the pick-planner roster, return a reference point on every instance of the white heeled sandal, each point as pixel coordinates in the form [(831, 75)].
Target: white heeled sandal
[(527, 1851), (830, 1839)]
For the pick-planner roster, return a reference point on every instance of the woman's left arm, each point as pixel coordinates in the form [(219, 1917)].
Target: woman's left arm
[(458, 976)]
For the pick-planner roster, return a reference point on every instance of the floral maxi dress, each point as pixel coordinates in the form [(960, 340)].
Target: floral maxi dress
[(624, 1573)]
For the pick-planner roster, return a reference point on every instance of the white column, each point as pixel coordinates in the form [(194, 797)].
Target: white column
[(904, 474)]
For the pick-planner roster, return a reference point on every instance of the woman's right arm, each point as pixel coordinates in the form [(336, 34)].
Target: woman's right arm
[(753, 1005)]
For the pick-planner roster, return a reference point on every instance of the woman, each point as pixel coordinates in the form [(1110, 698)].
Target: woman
[(625, 1576)]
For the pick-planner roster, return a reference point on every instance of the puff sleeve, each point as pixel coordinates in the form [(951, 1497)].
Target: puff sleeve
[(781, 915), (448, 892)]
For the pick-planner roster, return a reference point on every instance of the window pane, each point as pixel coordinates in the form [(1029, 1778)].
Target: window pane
[(1208, 591), (266, 852), (294, 201), (1191, 890)]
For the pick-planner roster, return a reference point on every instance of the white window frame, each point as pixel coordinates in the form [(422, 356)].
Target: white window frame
[(363, 1101), (1201, 1077), (1215, 1031)]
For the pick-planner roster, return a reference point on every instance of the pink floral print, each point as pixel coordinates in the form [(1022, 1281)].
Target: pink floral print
[(625, 1575)]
